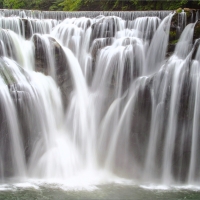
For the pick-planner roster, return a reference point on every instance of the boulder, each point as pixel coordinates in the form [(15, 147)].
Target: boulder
[(63, 74), (104, 28), (189, 10)]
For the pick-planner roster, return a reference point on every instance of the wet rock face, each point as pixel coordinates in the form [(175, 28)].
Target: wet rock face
[(95, 48), (178, 22), (174, 33), (196, 31), (140, 128), (182, 158), (195, 48), (98, 44), (63, 74), (40, 60), (104, 28), (24, 106), (27, 28), (5, 145)]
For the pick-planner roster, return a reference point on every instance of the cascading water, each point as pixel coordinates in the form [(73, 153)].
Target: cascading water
[(94, 94)]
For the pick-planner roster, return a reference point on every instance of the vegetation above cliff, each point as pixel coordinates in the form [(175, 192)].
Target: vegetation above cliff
[(75, 5)]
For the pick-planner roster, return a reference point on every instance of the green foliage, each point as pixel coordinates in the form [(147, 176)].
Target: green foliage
[(15, 4), (27, 4), (41, 4), (134, 2), (56, 5), (173, 5), (172, 33), (72, 5), (1, 3), (174, 41)]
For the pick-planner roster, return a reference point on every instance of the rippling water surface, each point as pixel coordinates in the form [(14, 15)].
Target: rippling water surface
[(109, 191)]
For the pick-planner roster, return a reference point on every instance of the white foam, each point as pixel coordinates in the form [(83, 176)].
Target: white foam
[(155, 187), (87, 180), (188, 187), (171, 187), (26, 185), (5, 187)]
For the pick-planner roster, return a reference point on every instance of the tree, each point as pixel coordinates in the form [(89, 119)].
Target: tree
[(15, 4), (70, 5)]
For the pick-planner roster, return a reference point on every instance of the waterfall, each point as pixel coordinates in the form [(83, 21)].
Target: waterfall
[(97, 94)]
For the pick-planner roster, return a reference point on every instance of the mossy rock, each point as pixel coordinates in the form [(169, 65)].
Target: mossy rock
[(189, 9), (174, 21), (172, 35), (188, 14), (173, 28), (179, 10), (174, 42)]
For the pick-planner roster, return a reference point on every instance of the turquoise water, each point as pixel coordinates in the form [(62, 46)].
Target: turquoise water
[(110, 192)]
